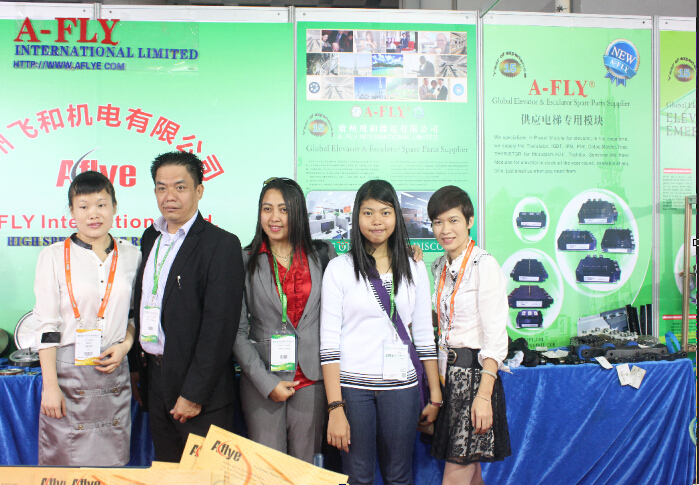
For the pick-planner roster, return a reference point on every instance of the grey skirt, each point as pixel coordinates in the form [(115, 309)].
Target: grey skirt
[(96, 430)]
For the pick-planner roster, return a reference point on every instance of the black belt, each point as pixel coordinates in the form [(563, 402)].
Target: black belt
[(157, 359), (463, 357)]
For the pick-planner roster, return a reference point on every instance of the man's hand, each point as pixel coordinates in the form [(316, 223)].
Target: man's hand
[(185, 410), (135, 392)]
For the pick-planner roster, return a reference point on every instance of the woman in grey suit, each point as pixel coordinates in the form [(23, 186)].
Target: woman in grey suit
[(278, 342)]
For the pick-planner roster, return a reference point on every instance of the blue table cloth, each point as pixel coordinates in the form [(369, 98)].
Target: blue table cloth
[(577, 425), (568, 425)]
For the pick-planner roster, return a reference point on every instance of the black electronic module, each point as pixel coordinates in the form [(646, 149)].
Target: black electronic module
[(529, 270), (529, 296), (618, 241), (597, 270), (531, 220), (529, 319), (597, 211), (572, 240)]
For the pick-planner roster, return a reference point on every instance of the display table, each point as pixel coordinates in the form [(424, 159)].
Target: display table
[(568, 425), (578, 425)]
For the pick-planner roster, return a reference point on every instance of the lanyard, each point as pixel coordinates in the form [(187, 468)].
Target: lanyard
[(392, 314), (69, 281), (282, 295), (158, 268), (453, 295), (392, 294)]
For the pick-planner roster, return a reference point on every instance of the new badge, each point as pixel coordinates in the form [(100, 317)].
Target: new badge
[(621, 60)]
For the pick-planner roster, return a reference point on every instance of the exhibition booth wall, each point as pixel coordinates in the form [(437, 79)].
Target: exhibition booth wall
[(574, 134)]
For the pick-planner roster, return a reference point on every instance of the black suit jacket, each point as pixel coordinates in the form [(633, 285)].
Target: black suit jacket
[(200, 314), (443, 92)]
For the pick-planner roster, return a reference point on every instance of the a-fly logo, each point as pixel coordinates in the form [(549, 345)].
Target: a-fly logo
[(225, 450)]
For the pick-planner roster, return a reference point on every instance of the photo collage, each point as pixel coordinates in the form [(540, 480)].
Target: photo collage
[(330, 214), (373, 65)]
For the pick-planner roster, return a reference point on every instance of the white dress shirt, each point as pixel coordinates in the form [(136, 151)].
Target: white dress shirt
[(166, 241), (480, 306), (89, 277)]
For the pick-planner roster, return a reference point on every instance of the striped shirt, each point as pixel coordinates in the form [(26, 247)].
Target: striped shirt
[(354, 325), (166, 241)]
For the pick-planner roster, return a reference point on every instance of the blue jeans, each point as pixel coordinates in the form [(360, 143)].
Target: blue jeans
[(383, 421)]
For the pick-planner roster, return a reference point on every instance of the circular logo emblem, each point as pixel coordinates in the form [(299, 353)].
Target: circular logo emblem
[(356, 111), (621, 61), (510, 67), (314, 87), (458, 89), (418, 112), (684, 73), (318, 127)]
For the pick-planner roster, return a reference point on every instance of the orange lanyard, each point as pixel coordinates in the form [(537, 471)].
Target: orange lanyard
[(69, 284), (453, 295)]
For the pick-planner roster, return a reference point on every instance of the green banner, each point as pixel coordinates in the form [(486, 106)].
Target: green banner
[(74, 102), (388, 101), (678, 177), (568, 172)]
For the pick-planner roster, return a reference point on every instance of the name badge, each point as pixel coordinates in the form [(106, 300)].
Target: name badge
[(87, 346), (282, 353), (442, 363), (395, 361), (150, 324)]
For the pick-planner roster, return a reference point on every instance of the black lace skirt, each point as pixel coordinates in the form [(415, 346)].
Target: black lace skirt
[(454, 439)]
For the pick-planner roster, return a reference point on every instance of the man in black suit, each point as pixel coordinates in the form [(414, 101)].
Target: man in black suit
[(442, 90), (188, 297)]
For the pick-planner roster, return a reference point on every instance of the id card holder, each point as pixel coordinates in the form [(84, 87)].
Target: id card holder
[(150, 324), (282, 351), (442, 363), (87, 346), (395, 361)]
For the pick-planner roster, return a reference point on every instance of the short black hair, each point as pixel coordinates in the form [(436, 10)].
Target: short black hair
[(447, 198), (398, 242), (190, 161), (90, 182)]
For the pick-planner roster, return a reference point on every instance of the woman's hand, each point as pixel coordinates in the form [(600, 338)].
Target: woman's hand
[(283, 391), (428, 415), (481, 415), (53, 403), (417, 253), (338, 429), (112, 358)]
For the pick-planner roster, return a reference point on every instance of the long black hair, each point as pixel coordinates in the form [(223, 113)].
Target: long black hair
[(297, 221), (398, 242)]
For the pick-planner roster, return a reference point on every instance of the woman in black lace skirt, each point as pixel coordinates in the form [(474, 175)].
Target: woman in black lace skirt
[(470, 300)]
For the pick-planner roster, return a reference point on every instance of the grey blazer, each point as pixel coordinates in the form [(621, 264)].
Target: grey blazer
[(262, 314)]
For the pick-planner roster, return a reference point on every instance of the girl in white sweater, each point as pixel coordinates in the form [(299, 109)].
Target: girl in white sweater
[(371, 296)]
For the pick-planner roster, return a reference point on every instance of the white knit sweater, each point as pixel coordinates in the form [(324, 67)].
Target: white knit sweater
[(354, 327)]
